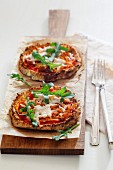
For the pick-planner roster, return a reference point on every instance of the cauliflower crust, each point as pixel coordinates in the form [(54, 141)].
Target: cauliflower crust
[(19, 123), (42, 72)]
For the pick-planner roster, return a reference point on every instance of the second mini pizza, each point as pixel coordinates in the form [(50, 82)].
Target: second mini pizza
[(47, 107)]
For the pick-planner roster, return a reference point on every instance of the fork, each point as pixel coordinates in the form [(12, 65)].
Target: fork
[(96, 80)]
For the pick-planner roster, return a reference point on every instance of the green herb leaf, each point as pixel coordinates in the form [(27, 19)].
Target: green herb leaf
[(19, 78), (50, 50), (59, 92), (46, 99), (66, 94), (35, 94), (57, 46), (29, 112), (70, 96), (31, 103), (53, 44), (23, 109), (42, 59), (46, 91), (38, 57), (64, 133), (26, 108), (52, 65), (64, 48), (62, 99)]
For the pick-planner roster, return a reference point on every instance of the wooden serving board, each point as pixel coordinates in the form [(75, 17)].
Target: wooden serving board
[(58, 21)]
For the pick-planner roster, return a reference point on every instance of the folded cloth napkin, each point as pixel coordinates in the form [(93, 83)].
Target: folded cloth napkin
[(98, 49)]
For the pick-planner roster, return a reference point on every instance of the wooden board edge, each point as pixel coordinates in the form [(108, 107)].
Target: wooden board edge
[(27, 151)]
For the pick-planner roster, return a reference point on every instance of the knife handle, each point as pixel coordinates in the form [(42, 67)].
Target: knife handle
[(106, 117), (95, 121)]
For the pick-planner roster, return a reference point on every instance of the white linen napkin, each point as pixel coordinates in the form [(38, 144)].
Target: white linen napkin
[(98, 49)]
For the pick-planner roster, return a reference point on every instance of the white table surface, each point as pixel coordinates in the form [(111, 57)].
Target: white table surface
[(30, 17)]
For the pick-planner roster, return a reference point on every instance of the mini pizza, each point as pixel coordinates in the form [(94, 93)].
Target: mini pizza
[(50, 61), (46, 107)]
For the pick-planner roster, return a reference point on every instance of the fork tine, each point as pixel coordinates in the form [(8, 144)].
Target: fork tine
[(101, 69), (104, 70), (94, 68), (98, 69)]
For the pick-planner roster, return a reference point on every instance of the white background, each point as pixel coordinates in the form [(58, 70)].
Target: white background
[(30, 17)]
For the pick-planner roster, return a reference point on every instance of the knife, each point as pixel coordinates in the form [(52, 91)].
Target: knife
[(106, 117)]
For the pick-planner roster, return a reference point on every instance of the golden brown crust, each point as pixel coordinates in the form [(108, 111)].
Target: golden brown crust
[(18, 122), (41, 72)]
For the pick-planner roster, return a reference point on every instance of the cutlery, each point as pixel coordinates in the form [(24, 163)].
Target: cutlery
[(104, 106), (96, 81)]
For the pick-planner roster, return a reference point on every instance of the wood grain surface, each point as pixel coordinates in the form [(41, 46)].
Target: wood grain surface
[(58, 21)]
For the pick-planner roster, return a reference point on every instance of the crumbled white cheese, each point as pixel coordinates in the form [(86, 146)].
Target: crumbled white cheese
[(43, 53), (59, 61), (45, 48), (54, 99), (43, 111), (40, 50), (39, 99)]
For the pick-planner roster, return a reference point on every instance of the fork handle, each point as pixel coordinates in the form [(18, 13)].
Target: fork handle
[(95, 120), (103, 100)]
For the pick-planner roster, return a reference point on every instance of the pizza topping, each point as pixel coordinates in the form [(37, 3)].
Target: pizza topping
[(54, 99), (43, 111), (59, 61), (56, 60), (46, 55), (43, 60), (38, 57), (54, 52), (62, 92), (28, 112)]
